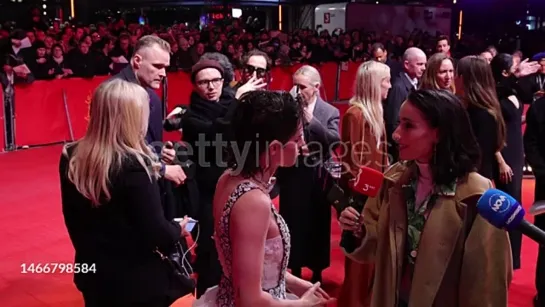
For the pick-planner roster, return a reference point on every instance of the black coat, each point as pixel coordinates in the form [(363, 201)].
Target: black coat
[(302, 198), (203, 123), (534, 146), (120, 236), (154, 135), (399, 92)]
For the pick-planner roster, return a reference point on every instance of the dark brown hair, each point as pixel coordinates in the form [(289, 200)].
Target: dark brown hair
[(457, 152), (480, 91)]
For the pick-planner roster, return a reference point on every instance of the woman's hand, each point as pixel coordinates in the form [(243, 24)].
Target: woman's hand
[(506, 173), (314, 296), (351, 220), (183, 224), (168, 153), (527, 68)]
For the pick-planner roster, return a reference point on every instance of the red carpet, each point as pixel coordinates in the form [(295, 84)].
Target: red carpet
[(33, 232)]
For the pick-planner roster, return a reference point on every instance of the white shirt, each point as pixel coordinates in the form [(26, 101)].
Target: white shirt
[(414, 81), (310, 107)]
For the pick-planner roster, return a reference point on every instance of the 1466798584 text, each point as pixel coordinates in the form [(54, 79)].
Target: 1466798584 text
[(57, 267)]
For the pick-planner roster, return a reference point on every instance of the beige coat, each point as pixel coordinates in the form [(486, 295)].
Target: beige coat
[(451, 270)]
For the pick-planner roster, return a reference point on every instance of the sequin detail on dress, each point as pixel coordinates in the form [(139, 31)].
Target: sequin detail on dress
[(276, 258)]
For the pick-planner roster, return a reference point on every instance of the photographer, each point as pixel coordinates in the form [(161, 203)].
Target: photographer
[(205, 128)]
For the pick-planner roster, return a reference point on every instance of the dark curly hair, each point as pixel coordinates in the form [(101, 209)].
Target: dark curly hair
[(260, 118), (457, 151)]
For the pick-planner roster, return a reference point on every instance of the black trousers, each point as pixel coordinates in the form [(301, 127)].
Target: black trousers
[(207, 264)]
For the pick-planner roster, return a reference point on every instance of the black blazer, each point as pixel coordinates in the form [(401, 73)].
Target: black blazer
[(401, 87), (534, 147), (155, 126), (120, 236)]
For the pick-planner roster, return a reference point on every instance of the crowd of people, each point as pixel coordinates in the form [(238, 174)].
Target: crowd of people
[(74, 50), (441, 130)]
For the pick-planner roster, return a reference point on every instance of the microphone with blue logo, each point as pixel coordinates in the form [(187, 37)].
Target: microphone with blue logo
[(503, 211)]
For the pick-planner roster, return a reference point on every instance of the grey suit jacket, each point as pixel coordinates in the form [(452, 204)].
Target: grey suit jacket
[(322, 132)]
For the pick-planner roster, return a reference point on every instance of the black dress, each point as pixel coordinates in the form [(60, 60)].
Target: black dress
[(513, 154), (484, 128)]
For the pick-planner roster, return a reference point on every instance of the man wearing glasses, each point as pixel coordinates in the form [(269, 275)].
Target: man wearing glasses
[(205, 135), (255, 62)]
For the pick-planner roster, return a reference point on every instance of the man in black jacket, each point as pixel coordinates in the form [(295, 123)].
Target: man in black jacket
[(534, 149), (147, 67), (414, 65)]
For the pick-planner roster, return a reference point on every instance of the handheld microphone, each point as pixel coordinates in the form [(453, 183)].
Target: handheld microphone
[(367, 183), (503, 211)]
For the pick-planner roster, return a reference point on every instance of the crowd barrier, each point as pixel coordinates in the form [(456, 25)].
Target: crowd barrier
[(56, 111), (2, 140)]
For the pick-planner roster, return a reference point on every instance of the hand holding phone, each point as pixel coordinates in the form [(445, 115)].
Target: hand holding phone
[(187, 224)]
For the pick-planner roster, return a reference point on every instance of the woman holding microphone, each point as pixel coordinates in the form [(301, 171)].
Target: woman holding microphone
[(422, 231)]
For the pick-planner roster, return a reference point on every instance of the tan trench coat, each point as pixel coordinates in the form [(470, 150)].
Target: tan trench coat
[(451, 270)]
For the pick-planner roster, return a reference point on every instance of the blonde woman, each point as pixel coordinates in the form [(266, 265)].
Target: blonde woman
[(112, 205), (364, 138), (439, 73)]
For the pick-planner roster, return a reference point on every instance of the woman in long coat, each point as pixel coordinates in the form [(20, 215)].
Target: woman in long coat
[(302, 201)]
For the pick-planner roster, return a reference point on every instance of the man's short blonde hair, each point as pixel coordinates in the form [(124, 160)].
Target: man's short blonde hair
[(150, 41)]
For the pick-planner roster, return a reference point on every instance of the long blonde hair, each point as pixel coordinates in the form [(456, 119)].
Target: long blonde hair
[(118, 122), (368, 95)]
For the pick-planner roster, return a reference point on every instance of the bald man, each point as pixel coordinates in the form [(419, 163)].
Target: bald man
[(414, 65)]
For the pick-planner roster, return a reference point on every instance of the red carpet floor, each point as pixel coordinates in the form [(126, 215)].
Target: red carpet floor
[(33, 232)]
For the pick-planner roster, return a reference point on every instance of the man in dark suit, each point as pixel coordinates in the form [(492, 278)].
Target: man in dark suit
[(147, 67), (301, 189), (380, 54), (534, 148), (414, 65)]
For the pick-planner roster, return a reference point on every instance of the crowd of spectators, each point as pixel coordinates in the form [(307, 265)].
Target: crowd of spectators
[(73, 50)]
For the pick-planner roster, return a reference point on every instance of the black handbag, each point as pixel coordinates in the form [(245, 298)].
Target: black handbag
[(179, 265)]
